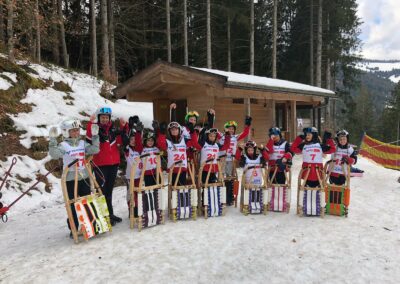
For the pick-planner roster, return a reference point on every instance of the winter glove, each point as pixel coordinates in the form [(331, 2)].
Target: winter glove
[(163, 127), (247, 120), (302, 136), (133, 120), (139, 126), (94, 129), (155, 125), (53, 132), (345, 160)]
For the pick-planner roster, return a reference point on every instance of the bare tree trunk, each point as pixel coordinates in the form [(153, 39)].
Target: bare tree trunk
[(274, 39), (168, 11), (185, 34), (319, 47), (62, 34), (54, 32), (93, 39), (37, 16), (110, 10), (10, 29), (252, 37), (328, 60), (312, 42), (104, 32), (229, 42), (209, 60), (248, 102), (144, 37), (2, 37)]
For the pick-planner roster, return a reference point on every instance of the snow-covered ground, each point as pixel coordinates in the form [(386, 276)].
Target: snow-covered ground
[(277, 248)]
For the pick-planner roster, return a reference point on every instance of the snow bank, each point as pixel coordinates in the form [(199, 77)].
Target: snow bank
[(277, 248)]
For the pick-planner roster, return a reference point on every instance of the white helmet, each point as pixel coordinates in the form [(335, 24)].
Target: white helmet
[(69, 124)]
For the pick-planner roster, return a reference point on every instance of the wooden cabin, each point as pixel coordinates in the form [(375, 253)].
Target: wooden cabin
[(288, 105)]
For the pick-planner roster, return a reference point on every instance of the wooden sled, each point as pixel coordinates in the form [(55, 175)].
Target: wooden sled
[(253, 197), (310, 200), (151, 200), (91, 210), (213, 195), (279, 195), (337, 197), (182, 199)]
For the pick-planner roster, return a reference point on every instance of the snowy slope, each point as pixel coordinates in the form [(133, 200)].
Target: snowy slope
[(50, 107), (389, 70), (277, 248)]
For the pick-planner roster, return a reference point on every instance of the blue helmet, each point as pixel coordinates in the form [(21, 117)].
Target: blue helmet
[(274, 131)]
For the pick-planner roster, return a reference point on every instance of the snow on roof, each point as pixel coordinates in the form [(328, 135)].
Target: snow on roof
[(238, 79)]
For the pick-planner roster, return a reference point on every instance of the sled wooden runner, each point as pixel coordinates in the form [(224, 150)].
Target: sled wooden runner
[(141, 190), (282, 190), (246, 188), (204, 188), (174, 191), (303, 189), (337, 197), (99, 213)]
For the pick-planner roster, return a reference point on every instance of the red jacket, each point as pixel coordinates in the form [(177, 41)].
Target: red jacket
[(327, 148), (110, 140), (270, 149)]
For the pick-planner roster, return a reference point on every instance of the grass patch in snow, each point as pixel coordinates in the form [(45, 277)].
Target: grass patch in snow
[(54, 164), (62, 87)]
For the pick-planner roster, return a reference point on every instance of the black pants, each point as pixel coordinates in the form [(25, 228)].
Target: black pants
[(312, 183), (339, 180), (212, 178), (105, 176), (230, 197), (280, 177), (182, 178), (83, 190), (150, 180)]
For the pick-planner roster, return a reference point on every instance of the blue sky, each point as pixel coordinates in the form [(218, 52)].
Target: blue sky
[(380, 28)]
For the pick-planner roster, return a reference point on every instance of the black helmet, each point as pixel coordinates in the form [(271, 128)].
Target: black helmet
[(314, 133)]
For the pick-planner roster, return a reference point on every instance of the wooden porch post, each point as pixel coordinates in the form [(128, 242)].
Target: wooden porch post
[(273, 113), (293, 119)]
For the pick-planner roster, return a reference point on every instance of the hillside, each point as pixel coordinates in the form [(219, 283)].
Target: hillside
[(33, 99)]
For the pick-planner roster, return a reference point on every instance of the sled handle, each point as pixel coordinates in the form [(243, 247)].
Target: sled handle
[(208, 161), (72, 163), (178, 162)]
